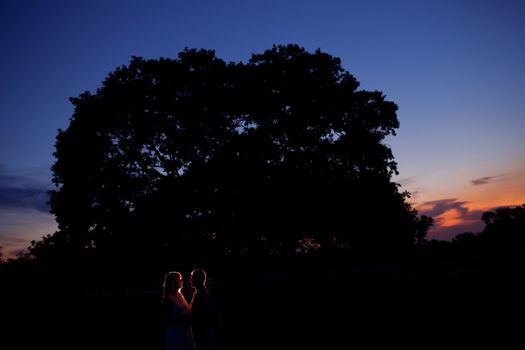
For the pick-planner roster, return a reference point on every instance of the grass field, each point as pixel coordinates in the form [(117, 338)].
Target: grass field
[(351, 307)]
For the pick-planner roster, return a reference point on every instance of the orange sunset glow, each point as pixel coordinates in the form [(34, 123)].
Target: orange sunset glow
[(460, 211), (451, 218)]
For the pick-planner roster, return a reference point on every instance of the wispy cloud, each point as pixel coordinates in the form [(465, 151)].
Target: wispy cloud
[(409, 184), (486, 180), (19, 191), (405, 181)]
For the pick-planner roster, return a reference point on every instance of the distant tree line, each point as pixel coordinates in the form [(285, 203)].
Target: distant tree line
[(504, 231)]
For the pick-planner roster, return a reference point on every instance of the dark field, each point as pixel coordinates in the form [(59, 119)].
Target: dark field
[(349, 306)]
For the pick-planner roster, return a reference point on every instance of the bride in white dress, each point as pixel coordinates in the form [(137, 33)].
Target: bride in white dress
[(176, 313)]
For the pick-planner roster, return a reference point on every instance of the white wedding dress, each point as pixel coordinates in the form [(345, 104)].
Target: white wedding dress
[(179, 335)]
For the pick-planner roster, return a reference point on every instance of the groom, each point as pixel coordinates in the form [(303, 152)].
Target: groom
[(204, 315)]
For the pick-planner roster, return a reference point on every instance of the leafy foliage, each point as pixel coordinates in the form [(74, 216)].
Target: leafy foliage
[(505, 228), (196, 156)]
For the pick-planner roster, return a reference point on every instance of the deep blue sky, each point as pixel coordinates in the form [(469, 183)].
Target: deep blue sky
[(455, 69)]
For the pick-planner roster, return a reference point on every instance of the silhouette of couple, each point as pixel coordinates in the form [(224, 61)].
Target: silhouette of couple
[(192, 326)]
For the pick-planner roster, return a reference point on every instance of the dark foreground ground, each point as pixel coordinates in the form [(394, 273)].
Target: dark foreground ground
[(312, 308)]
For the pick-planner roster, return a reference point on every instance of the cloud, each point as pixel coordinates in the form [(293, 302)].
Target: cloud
[(451, 217), (18, 191), (440, 206), (405, 181), (485, 180)]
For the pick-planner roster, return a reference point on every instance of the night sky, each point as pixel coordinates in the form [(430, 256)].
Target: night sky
[(455, 69)]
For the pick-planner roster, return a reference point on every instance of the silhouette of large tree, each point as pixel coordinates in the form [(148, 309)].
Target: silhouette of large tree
[(194, 153)]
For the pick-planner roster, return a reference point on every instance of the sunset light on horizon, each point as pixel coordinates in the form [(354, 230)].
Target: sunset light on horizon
[(461, 210)]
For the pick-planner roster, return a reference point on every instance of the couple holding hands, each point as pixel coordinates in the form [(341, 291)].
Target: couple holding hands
[(192, 326)]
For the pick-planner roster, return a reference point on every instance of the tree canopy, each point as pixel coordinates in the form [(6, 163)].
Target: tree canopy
[(193, 155)]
